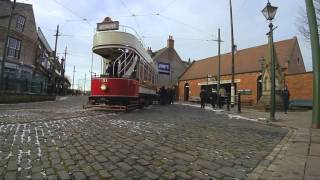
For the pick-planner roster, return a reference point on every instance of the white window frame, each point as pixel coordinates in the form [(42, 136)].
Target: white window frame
[(21, 20), (13, 47)]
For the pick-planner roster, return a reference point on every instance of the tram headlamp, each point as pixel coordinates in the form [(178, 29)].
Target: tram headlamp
[(103, 87)]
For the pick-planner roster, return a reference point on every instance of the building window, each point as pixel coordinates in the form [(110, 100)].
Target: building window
[(13, 48), (20, 23), (298, 60)]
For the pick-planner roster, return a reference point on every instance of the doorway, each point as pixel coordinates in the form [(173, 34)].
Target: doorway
[(186, 92)]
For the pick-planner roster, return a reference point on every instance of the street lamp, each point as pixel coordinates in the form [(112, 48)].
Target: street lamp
[(269, 13)]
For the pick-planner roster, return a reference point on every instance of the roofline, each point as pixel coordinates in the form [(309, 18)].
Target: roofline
[(186, 69), (210, 57), (308, 72), (220, 75)]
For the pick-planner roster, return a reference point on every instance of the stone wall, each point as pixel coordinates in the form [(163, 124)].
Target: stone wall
[(9, 98)]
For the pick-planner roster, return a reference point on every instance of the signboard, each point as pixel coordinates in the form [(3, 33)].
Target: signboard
[(105, 26), (163, 68), (245, 91)]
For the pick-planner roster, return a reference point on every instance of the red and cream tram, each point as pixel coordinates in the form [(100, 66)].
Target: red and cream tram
[(129, 77)]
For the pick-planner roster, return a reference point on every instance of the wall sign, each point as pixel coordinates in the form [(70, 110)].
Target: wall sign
[(164, 68)]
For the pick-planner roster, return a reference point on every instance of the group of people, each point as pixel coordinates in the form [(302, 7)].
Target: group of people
[(211, 98), (166, 95)]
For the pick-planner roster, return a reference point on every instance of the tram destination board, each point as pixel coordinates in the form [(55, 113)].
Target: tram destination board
[(106, 26)]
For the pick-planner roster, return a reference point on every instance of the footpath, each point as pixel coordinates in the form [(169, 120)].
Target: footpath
[(297, 156)]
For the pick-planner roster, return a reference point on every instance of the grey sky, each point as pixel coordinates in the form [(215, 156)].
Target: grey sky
[(190, 22)]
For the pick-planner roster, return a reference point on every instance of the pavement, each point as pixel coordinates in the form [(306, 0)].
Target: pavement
[(60, 140), (297, 156)]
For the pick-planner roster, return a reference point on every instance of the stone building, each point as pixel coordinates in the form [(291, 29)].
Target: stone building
[(29, 64), (23, 37), (169, 63), (248, 73)]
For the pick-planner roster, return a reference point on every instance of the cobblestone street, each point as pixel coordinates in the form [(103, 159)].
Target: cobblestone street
[(60, 140)]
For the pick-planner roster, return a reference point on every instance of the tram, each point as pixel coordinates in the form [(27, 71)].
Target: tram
[(129, 75)]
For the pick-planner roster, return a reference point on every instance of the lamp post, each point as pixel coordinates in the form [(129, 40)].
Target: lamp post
[(269, 13)]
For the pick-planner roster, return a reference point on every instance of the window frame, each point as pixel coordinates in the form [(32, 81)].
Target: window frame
[(20, 23), (13, 47)]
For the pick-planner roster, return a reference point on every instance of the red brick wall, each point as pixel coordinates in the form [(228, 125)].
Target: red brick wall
[(300, 86), (247, 81), (296, 64)]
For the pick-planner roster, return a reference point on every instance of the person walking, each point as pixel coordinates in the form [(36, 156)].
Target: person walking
[(203, 97), (286, 99)]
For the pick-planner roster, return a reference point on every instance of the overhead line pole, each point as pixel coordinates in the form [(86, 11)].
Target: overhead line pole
[(313, 26), (4, 55), (55, 59), (232, 58), (63, 63), (219, 65), (74, 70), (85, 78)]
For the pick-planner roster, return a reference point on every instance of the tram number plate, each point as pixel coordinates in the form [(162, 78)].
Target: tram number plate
[(105, 80)]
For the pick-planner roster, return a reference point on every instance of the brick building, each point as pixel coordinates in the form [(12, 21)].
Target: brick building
[(169, 63), (248, 71)]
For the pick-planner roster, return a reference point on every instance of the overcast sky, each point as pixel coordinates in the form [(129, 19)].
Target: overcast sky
[(190, 22)]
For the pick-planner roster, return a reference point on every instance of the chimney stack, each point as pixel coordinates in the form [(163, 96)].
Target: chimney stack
[(149, 50), (170, 42)]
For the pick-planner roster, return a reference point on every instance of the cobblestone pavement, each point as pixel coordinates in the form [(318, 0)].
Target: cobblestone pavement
[(59, 140)]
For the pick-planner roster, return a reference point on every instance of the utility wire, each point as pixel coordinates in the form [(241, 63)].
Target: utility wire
[(132, 14), (183, 23), (181, 38), (72, 12), (167, 6)]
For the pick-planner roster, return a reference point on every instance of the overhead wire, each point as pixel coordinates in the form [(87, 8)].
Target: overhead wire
[(72, 12), (167, 6), (185, 24), (132, 14)]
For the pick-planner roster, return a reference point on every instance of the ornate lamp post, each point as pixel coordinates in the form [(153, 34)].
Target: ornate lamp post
[(269, 13)]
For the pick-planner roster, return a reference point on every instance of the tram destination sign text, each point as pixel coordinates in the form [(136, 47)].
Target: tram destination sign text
[(105, 26)]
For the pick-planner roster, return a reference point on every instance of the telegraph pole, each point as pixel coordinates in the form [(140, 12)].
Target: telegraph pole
[(232, 58), (219, 66), (85, 77), (65, 59), (74, 70), (55, 59), (91, 65), (4, 55), (313, 26)]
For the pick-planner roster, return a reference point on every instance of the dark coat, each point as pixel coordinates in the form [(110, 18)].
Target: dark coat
[(203, 95), (285, 96)]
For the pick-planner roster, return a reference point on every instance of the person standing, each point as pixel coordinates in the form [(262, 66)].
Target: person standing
[(213, 99), (286, 99), (203, 97)]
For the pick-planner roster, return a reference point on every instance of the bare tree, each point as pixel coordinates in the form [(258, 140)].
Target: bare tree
[(303, 20)]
